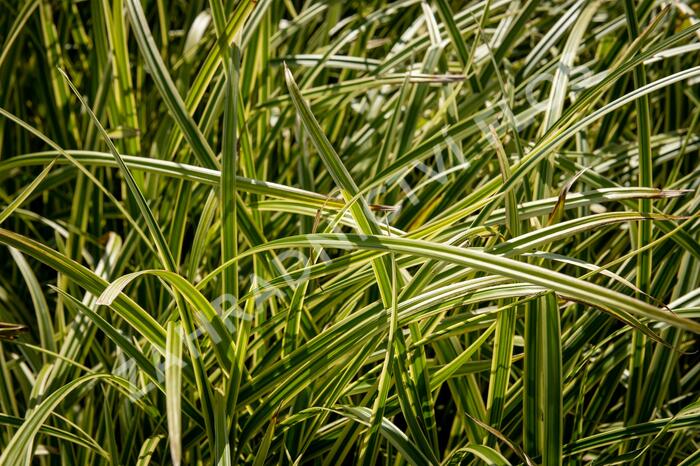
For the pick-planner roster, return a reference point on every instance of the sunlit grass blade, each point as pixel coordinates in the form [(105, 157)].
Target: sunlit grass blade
[(173, 389), (147, 449), (166, 86), (411, 232), (26, 192), (589, 293)]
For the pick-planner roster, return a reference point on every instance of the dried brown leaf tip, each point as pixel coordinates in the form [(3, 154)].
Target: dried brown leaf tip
[(11, 331), (384, 208)]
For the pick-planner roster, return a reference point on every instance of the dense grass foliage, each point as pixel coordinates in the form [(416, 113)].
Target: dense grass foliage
[(346, 232)]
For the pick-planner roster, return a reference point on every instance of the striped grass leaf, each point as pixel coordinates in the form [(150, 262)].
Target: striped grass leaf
[(173, 389), (479, 292), (574, 288), (207, 316), (30, 427), (166, 87)]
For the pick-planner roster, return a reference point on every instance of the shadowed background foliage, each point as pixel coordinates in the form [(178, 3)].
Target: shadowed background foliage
[(328, 232)]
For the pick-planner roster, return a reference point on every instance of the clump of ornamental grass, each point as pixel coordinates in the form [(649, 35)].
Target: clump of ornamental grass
[(310, 232)]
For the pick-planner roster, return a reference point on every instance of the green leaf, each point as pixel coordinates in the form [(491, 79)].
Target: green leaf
[(570, 287), (173, 389)]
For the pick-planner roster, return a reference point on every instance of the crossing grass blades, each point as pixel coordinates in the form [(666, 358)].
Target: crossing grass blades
[(323, 232)]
